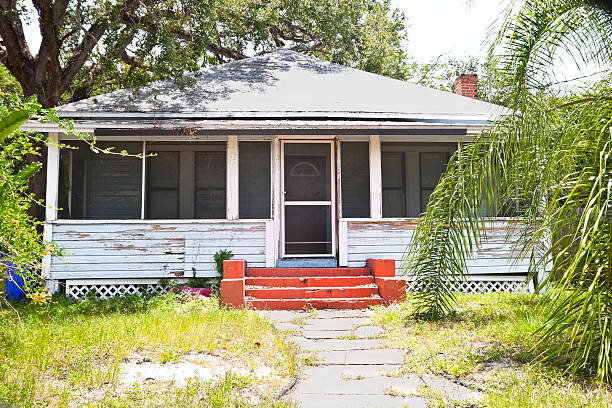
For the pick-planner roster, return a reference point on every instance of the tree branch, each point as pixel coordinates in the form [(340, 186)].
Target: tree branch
[(18, 59), (81, 53)]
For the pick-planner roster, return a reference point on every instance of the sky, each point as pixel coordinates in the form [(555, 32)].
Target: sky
[(454, 29), (448, 27)]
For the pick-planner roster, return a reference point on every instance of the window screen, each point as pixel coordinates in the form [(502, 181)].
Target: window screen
[(100, 186), (410, 173), (432, 166), (393, 184), (163, 177), (210, 183), (355, 179), (254, 179)]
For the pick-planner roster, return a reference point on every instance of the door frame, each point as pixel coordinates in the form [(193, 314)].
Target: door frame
[(332, 202)]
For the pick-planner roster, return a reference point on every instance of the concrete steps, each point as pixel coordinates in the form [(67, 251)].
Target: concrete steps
[(300, 304), (305, 288)]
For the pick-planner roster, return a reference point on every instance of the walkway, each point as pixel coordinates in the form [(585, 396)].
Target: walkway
[(349, 366)]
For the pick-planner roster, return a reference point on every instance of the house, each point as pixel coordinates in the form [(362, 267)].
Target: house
[(284, 159)]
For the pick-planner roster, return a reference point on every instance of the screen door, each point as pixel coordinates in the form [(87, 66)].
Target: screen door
[(308, 199)]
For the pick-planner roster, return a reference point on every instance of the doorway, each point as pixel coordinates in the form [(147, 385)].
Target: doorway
[(308, 199)]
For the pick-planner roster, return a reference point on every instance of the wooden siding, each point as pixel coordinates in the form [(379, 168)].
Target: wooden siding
[(153, 250), (389, 239)]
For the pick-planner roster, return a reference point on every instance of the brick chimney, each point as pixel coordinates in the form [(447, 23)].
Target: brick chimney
[(467, 85)]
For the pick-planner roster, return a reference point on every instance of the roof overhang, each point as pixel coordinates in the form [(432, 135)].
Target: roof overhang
[(177, 129)]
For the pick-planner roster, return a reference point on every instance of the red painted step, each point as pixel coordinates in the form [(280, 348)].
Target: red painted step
[(327, 281), (310, 293), (305, 272), (300, 304)]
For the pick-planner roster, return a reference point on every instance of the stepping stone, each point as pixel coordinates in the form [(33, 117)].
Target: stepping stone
[(356, 401), (336, 344), (340, 371), (341, 323), (368, 331), (333, 314), (326, 334), (366, 357), (356, 385)]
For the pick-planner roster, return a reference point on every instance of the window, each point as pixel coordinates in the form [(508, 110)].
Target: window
[(355, 181), (185, 181), (163, 175), (210, 184), (410, 173), (254, 172), (100, 186)]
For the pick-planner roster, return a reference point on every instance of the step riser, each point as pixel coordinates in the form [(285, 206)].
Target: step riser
[(316, 282), (298, 293), (303, 272), (295, 304)]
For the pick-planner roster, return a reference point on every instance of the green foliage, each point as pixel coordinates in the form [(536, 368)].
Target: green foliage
[(9, 87), (220, 256), (486, 343), (442, 72), (153, 40), (19, 239), (548, 163)]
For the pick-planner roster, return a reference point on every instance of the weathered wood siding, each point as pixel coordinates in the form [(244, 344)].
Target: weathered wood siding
[(145, 249), (389, 239)]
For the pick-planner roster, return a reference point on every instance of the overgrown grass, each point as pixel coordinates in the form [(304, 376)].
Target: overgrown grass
[(488, 344), (51, 356)]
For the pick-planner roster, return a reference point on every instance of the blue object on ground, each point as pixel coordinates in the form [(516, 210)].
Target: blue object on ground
[(13, 282)]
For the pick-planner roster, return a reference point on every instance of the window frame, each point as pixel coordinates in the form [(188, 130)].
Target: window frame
[(186, 152), (412, 169)]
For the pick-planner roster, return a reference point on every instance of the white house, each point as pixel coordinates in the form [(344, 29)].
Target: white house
[(284, 159)]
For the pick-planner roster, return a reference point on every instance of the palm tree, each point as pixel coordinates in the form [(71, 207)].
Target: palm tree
[(548, 162)]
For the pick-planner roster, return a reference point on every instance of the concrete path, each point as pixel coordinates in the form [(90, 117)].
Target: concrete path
[(350, 368)]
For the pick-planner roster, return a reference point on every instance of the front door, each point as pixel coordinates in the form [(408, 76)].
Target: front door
[(308, 199)]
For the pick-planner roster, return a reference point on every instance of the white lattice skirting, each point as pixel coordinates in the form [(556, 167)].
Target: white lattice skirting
[(108, 288), (480, 286)]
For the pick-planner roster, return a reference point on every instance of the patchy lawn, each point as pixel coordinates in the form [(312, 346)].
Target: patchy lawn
[(140, 352), (487, 344)]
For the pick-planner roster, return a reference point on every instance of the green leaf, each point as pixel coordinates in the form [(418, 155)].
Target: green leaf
[(12, 121), (24, 175)]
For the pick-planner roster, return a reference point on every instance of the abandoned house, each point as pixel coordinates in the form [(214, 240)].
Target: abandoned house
[(288, 161)]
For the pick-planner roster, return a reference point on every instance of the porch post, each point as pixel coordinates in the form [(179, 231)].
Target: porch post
[(232, 178), (375, 178), (53, 159)]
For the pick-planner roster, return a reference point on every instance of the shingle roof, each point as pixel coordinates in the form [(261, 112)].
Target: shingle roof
[(283, 84)]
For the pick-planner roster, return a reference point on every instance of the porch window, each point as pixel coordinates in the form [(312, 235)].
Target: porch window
[(410, 173), (355, 181), (100, 186), (254, 173), (185, 181)]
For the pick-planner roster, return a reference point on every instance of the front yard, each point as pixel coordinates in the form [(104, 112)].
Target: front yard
[(141, 352), (114, 353), (487, 346)]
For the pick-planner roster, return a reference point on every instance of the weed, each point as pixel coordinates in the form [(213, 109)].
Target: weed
[(72, 348)]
